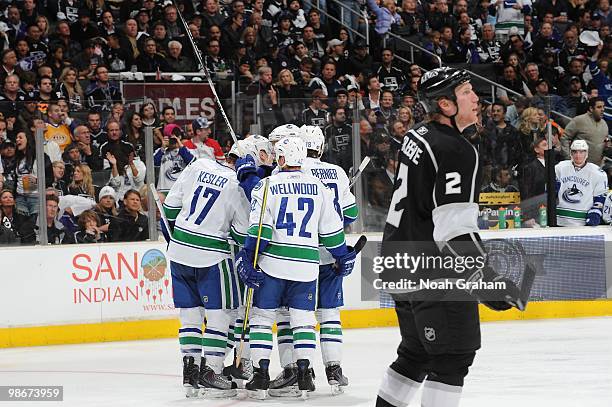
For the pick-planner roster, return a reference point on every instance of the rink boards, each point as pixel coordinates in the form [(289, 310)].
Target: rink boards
[(95, 293)]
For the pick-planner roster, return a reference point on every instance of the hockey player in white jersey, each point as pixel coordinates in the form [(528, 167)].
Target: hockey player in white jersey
[(205, 207), (582, 188), (299, 213), (330, 296)]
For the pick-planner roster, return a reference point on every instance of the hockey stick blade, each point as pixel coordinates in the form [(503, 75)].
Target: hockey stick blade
[(357, 174), (360, 243)]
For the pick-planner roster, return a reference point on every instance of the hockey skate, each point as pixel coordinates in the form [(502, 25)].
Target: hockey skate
[(215, 385), (305, 378), (335, 378), (285, 384), (259, 384), (191, 372), (244, 371)]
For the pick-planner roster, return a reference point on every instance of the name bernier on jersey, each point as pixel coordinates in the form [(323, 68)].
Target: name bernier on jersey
[(406, 284)]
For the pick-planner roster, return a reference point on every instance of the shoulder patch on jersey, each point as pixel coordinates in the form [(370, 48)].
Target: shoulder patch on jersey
[(258, 186), (422, 130)]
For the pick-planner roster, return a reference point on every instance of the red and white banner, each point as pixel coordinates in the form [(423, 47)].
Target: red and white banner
[(190, 100)]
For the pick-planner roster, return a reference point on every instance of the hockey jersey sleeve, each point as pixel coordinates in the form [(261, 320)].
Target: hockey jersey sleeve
[(257, 202), (331, 227), (240, 219), (350, 211)]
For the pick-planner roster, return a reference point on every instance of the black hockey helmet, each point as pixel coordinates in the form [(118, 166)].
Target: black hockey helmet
[(440, 82)]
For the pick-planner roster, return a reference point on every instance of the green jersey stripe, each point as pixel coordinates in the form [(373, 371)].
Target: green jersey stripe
[(201, 241), (266, 231), (292, 252), (171, 213), (332, 241), (351, 212)]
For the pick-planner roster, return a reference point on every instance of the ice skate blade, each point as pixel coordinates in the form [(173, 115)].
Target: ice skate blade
[(191, 392), (209, 393), (304, 395), (257, 394), (336, 389), (289, 391)]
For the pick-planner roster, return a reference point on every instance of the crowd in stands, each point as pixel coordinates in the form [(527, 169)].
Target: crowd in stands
[(57, 58)]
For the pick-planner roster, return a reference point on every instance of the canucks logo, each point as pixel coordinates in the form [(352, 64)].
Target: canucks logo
[(572, 195)]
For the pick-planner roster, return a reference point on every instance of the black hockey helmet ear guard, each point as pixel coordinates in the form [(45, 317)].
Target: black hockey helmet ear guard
[(441, 82)]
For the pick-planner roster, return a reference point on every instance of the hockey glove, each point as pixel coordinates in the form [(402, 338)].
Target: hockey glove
[(346, 263), (593, 218), (249, 275), (244, 167), (499, 299)]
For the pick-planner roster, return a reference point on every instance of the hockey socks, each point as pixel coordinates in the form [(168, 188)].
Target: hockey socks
[(190, 332), (330, 335)]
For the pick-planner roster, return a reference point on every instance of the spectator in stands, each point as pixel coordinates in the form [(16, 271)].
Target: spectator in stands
[(513, 82), (115, 145), (201, 144), (404, 115), (533, 181), (327, 82), (148, 115), (540, 99), (26, 174), (175, 30), (62, 36), (359, 59), (134, 133), (84, 29), (107, 26), (128, 176), (89, 231), (8, 163), (160, 35), (390, 76), (15, 228), (56, 130), (338, 136), (131, 225), (70, 89), (106, 209), (97, 133), (489, 48), (172, 157), (314, 45), (101, 94), (82, 182), (576, 100), (315, 114), (373, 94), (215, 64), (589, 127), (9, 65), (231, 33), (12, 97), (386, 16), (56, 60), (501, 181), (177, 61), (211, 14), (168, 117), (56, 233), (150, 60), (57, 182)]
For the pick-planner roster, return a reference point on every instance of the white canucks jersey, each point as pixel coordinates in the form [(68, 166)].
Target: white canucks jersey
[(607, 208), (299, 214), (208, 207), (334, 177), (577, 188)]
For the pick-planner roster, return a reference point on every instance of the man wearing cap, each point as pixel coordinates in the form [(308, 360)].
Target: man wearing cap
[(589, 127), (576, 100), (359, 60), (540, 98), (201, 145)]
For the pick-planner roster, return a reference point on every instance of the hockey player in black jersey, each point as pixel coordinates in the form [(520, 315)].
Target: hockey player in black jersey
[(434, 210)]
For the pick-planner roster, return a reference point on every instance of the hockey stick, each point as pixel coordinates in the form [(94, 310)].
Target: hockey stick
[(360, 243), (357, 174), (160, 207), (249, 297), (198, 55)]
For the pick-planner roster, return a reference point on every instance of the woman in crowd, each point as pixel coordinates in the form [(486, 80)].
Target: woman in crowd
[(56, 60), (404, 115), (149, 115), (289, 95), (70, 89), (82, 182), (26, 170), (131, 225), (14, 227), (134, 131), (89, 231), (43, 24), (106, 209)]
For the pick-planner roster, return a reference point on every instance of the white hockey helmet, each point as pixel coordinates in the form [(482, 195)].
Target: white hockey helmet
[(240, 148), (293, 149), (579, 145), (261, 144), (313, 138), (286, 130)]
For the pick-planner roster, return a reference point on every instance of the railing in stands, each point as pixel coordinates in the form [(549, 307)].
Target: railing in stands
[(363, 15), (365, 37)]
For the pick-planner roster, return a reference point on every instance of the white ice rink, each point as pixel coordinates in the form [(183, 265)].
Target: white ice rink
[(521, 364)]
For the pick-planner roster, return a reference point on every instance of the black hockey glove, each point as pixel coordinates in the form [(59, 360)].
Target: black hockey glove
[(498, 299)]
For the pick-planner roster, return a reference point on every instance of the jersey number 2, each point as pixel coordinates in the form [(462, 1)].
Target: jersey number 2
[(285, 219), (453, 183), (211, 194)]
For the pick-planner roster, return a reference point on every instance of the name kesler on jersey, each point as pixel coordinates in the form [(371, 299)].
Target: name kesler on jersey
[(212, 179)]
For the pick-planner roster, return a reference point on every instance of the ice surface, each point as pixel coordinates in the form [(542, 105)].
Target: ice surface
[(528, 363)]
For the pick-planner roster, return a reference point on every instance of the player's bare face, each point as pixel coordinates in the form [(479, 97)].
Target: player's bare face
[(467, 105), (579, 157)]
